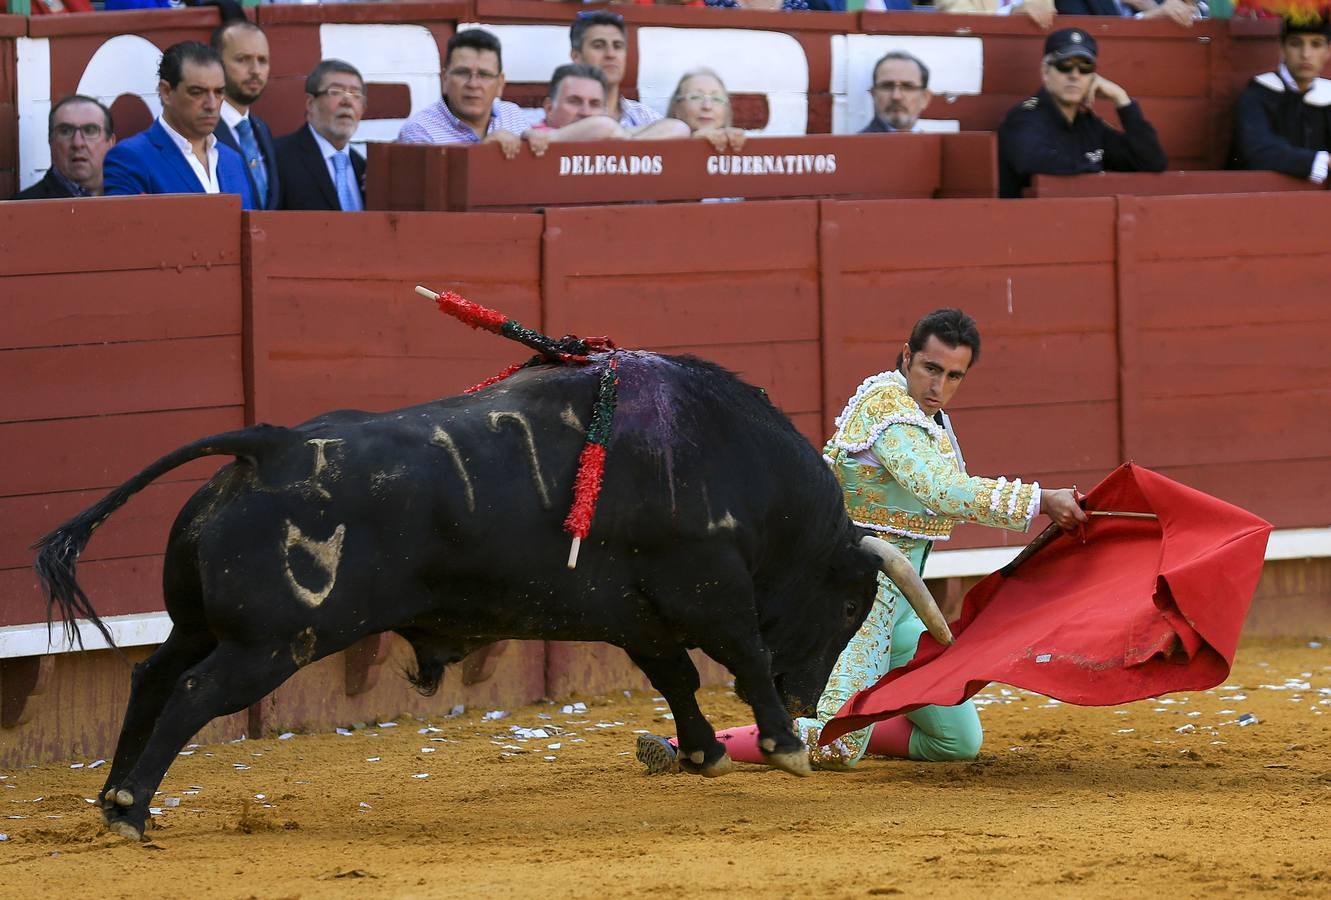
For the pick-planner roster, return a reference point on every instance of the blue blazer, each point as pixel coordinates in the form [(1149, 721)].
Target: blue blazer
[(264, 137), (149, 163)]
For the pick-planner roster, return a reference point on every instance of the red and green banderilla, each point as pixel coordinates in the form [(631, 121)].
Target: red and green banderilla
[(569, 350)]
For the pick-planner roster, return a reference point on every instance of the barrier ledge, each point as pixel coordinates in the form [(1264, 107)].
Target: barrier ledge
[(148, 629), (365, 13), (106, 24), (13, 26), (490, 11), (868, 166), (1154, 184)]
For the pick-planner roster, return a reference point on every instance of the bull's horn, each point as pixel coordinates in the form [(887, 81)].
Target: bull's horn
[(897, 567)]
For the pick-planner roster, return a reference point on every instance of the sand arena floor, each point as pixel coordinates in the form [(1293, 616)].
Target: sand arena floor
[(1158, 798)]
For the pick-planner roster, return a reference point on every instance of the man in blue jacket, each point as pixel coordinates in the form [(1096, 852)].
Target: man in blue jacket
[(179, 154)]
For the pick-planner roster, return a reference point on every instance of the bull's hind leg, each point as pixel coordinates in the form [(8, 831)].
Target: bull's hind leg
[(151, 684), (228, 680), (676, 678)]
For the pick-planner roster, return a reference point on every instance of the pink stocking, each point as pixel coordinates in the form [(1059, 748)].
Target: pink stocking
[(741, 743), (891, 737)]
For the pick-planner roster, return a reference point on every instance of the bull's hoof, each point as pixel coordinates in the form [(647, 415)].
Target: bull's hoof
[(124, 797), (723, 766), (795, 762), (126, 830), (657, 753)]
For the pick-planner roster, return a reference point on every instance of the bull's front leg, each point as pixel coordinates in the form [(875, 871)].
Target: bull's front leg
[(676, 678)]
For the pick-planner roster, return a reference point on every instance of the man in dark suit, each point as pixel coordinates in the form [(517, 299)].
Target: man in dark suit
[(179, 154), (79, 132), (318, 169), (243, 47), (900, 92)]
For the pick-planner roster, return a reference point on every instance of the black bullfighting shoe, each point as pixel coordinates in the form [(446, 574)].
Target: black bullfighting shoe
[(659, 755)]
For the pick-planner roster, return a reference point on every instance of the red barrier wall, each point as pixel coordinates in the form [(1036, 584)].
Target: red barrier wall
[(1226, 380), (335, 322), (114, 349)]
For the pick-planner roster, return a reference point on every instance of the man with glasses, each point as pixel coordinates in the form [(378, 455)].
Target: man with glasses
[(243, 47), (318, 169), (470, 112), (900, 92), (1056, 133), (79, 132)]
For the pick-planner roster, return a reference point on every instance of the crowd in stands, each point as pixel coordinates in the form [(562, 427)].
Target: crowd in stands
[(207, 140)]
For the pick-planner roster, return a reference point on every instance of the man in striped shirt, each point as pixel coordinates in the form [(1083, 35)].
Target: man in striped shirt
[(470, 112)]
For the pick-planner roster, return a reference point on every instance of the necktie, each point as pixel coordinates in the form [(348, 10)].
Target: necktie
[(347, 195), (250, 147)]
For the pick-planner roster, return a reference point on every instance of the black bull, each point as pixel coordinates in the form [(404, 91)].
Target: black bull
[(718, 527)]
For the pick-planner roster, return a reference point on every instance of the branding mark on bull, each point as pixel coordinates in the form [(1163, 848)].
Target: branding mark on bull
[(321, 463), (570, 418), (440, 438), (326, 556), (496, 421)]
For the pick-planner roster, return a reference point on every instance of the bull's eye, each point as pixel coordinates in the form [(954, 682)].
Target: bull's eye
[(852, 609)]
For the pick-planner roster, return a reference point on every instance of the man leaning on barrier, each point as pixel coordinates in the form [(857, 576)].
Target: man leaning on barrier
[(1056, 133), (470, 111)]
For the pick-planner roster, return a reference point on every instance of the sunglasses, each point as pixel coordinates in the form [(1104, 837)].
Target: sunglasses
[(1085, 67)]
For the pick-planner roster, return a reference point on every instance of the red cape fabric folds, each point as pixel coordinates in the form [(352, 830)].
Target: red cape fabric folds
[(1143, 607)]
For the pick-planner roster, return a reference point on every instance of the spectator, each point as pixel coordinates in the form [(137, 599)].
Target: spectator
[(574, 109), (1283, 118), (179, 154), (470, 112), (1181, 12), (318, 168), (701, 102), (1055, 132), (244, 50), (599, 39), (900, 92), (1039, 11), (79, 131)]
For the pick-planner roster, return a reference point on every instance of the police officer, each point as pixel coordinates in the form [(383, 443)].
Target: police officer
[(1055, 132)]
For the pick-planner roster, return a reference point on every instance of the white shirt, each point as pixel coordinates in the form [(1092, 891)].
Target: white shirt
[(207, 176), (1322, 159), (232, 116), (328, 151)]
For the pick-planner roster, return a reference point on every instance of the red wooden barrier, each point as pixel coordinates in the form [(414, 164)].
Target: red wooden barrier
[(1147, 184), (125, 345), (335, 323), (1039, 279), (1224, 333), (473, 177)]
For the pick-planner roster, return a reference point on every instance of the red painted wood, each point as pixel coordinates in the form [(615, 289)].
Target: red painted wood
[(1289, 493), (1148, 184), (157, 233), (861, 165), (103, 451), (61, 382), (138, 528), (1288, 224), (358, 335), (969, 165)]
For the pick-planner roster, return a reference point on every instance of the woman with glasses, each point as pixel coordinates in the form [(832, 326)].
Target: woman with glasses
[(701, 101), (1056, 133)]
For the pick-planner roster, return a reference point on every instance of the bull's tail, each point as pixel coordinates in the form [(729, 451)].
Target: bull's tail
[(58, 552)]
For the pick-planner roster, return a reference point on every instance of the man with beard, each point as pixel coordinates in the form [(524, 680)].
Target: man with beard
[(1056, 133), (79, 132), (900, 92), (244, 51), (318, 169), (1283, 119)]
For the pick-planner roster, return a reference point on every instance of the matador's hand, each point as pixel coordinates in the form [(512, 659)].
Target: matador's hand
[(1063, 506)]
